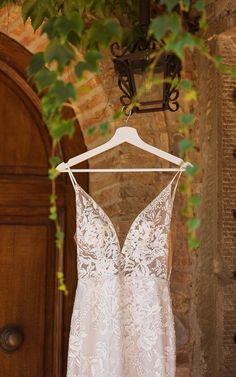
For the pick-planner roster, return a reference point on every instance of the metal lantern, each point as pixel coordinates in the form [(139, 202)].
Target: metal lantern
[(131, 65)]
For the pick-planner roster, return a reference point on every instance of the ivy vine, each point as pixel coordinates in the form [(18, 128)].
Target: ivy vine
[(87, 28)]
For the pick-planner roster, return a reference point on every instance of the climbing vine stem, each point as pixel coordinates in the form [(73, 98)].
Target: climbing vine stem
[(79, 34)]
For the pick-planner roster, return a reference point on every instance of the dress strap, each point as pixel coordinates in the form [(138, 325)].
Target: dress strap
[(170, 253), (72, 177), (178, 175)]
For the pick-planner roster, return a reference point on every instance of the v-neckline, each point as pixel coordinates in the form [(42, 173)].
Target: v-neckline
[(108, 219)]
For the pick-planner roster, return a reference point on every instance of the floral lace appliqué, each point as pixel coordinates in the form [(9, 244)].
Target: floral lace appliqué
[(122, 323)]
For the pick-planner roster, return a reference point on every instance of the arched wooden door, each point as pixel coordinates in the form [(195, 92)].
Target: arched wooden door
[(31, 306)]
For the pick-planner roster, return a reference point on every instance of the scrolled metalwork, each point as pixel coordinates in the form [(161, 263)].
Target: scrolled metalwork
[(134, 59), (173, 73), (117, 51), (140, 44)]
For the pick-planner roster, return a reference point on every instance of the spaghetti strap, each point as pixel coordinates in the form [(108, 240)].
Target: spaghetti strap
[(170, 254), (72, 178), (178, 174)]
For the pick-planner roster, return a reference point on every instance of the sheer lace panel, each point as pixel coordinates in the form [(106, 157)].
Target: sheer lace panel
[(145, 249), (122, 323)]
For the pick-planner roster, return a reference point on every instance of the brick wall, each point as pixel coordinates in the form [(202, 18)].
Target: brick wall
[(213, 303), (204, 290), (226, 222)]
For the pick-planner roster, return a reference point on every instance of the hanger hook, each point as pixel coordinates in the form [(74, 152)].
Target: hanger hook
[(130, 113)]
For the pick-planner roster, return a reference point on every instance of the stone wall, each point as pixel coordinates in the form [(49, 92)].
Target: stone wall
[(226, 222), (213, 304), (204, 290)]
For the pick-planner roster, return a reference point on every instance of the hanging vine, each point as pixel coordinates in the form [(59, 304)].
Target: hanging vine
[(87, 28)]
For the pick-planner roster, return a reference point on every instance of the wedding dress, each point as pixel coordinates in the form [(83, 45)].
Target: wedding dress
[(122, 323)]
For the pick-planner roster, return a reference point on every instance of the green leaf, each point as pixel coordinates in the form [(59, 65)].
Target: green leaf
[(49, 108), (117, 115), (62, 92), (61, 127), (185, 211), (69, 23), (223, 68), (62, 26), (55, 160), (37, 11), (53, 199), (179, 41), (37, 63), (53, 209), (53, 212), (218, 60), (91, 59), (185, 84), (101, 33), (165, 23), (193, 243), (170, 4), (192, 170), (203, 23), (74, 5), (103, 128), (194, 200), (89, 64), (199, 5), (191, 95), (182, 187), (49, 27), (91, 130), (185, 5), (52, 216), (193, 223), (186, 119), (79, 69), (3, 3), (53, 173), (44, 79), (59, 236), (60, 275), (184, 145), (233, 71), (62, 53)]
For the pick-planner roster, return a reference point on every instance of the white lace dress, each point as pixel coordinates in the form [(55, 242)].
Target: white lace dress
[(122, 323)]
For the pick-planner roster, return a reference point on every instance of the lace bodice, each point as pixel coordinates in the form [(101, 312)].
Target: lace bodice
[(122, 323), (145, 249)]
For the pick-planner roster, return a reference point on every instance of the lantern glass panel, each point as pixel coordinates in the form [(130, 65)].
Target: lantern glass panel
[(151, 94)]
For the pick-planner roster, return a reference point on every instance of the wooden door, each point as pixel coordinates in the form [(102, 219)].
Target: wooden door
[(34, 315)]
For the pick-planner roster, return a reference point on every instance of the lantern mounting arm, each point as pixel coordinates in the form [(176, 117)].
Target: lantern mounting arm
[(144, 14)]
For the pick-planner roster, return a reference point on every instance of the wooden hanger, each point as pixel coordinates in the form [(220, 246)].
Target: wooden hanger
[(124, 135)]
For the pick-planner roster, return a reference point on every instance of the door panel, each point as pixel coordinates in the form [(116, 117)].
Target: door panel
[(29, 295), (23, 261), (20, 134)]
